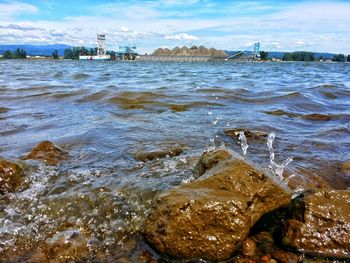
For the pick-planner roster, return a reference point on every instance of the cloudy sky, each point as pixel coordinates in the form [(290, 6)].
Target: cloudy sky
[(226, 24)]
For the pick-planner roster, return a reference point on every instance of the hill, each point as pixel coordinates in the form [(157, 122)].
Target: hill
[(36, 50)]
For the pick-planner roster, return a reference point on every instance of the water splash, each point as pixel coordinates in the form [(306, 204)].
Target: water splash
[(216, 120), (277, 169), (242, 141)]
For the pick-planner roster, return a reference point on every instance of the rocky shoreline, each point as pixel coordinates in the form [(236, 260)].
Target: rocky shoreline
[(233, 211)]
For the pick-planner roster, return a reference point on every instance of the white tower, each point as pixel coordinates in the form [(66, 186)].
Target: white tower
[(101, 44)]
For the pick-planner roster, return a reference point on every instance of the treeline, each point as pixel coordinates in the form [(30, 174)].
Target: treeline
[(341, 58), (75, 52), (299, 56), (19, 53), (309, 56)]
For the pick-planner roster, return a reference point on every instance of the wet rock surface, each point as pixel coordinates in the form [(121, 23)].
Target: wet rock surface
[(10, 176), (47, 152), (145, 155), (251, 135), (320, 224), (211, 217), (262, 248), (209, 159)]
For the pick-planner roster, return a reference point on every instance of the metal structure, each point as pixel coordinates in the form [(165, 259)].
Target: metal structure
[(256, 49), (101, 45), (248, 54), (127, 53)]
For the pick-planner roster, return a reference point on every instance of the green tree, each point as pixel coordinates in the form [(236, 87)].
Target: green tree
[(20, 53), (74, 52), (55, 54), (348, 58), (339, 58), (299, 56), (7, 54), (68, 54), (263, 55)]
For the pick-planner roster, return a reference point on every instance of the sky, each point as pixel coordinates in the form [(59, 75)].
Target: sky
[(294, 25)]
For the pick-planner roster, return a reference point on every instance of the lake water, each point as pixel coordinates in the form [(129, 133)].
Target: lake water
[(106, 113)]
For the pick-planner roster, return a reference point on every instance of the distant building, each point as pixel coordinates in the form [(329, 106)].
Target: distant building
[(101, 50)]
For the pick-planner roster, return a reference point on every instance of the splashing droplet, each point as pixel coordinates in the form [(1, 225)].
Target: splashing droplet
[(243, 141), (277, 169)]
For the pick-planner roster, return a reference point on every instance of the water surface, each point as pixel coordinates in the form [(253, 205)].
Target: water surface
[(103, 113)]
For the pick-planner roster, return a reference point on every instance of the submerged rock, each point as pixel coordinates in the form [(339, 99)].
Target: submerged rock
[(10, 176), (251, 135), (211, 217), (48, 152), (153, 154), (66, 246), (321, 224)]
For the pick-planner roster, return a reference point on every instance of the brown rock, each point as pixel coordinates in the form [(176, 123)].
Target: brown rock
[(10, 176), (48, 152), (248, 248), (317, 117), (251, 135), (264, 242), (321, 224), (65, 246), (346, 169), (209, 159), (152, 154), (210, 217), (285, 256)]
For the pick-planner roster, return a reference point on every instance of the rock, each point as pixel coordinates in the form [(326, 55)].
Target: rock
[(320, 224), (66, 245), (10, 176), (285, 256), (3, 110), (209, 218), (251, 135), (345, 169), (248, 248), (317, 117), (305, 179), (48, 152), (264, 242), (208, 160), (265, 258), (153, 154)]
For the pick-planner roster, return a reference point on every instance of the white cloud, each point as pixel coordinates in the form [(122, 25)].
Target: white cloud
[(314, 26), (181, 36), (124, 29), (180, 2), (14, 8)]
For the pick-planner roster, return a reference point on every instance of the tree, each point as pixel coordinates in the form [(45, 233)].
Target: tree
[(348, 58), (339, 58), (68, 54), (20, 53), (55, 54), (74, 52), (7, 54), (299, 56), (263, 55)]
